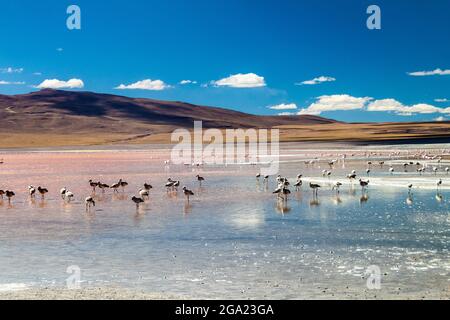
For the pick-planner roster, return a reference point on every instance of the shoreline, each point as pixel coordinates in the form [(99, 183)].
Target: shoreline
[(88, 293), (429, 143), (118, 293)]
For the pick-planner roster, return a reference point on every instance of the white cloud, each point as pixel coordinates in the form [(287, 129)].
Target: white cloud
[(2, 82), (283, 106), (37, 73), (11, 70), (59, 49), (334, 103), (404, 110), (188, 82), (435, 72), (248, 80), (439, 119), (147, 84), (441, 100), (347, 102), (61, 84), (317, 80)]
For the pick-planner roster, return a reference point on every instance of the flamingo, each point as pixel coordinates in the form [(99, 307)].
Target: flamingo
[(137, 201), (115, 186), (200, 179), (439, 184), (363, 184), (89, 201), (93, 185), (102, 186), (32, 191), (298, 184), (62, 192), (69, 196), (337, 186), (42, 191), (314, 187), (9, 194), (187, 193), (147, 186), (123, 184), (144, 193)]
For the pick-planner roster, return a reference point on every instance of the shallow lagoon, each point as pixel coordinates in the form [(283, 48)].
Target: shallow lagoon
[(234, 239)]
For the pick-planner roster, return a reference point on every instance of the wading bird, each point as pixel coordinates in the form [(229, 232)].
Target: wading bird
[(144, 194), (282, 191), (9, 194), (123, 184), (102, 186), (169, 184), (439, 184), (200, 179), (89, 201), (337, 186), (147, 186), (187, 193), (363, 184), (62, 192), (42, 191), (68, 196), (137, 201), (93, 185), (314, 187), (32, 191), (299, 183), (115, 186)]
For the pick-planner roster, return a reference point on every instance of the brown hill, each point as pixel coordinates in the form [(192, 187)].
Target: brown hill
[(64, 118), (64, 112)]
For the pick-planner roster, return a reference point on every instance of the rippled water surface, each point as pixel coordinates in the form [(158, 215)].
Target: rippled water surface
[(234, 239)]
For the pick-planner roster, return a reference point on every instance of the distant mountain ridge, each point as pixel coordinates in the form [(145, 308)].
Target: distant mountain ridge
[(71, 112)]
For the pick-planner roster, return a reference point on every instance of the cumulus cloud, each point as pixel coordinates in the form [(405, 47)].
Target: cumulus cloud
[(334, 103), (283, 106), (434, 72), (347, 102), (240, 80), (11, 70), (441, 100), (147, 84), (188, 82), (439, 119), (317, 80), (2, 82), (404, 110), (61, 84)]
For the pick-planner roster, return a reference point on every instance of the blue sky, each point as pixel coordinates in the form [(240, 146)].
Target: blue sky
[(246, 55)]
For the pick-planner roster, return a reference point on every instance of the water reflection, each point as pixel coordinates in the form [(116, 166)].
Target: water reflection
[(282, 207), (238, 235)]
